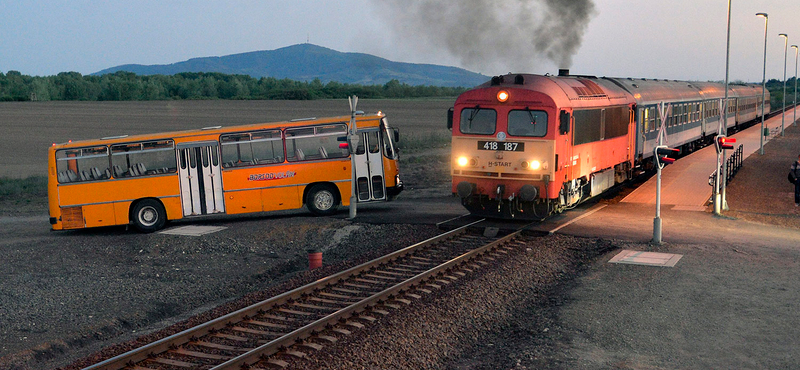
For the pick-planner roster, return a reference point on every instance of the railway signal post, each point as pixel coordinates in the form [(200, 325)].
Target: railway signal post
[(352, 142), (660, 156), (721, 143)]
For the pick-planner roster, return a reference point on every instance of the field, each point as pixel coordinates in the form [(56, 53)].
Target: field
[(30, 127)]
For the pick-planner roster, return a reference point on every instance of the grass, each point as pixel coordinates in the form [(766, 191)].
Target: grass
[(428, 141), (31, 186)]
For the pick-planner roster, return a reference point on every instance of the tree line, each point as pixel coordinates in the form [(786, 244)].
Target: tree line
[(122, 85)]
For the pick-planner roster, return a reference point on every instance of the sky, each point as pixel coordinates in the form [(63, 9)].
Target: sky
[(675, 39)]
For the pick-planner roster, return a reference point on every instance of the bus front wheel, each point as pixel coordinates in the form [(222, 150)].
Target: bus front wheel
[(322, 200), (149, 215)]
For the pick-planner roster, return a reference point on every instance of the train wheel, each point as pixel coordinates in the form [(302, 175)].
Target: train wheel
[(149, 215), (322, 200)]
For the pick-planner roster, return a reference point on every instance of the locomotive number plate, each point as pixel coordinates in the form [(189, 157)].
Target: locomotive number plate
[(506, 146)]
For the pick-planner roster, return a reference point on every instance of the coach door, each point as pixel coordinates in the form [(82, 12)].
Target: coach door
[(201, 178), (370, 184)]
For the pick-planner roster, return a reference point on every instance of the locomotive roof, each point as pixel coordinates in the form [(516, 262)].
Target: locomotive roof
[(576, 91)]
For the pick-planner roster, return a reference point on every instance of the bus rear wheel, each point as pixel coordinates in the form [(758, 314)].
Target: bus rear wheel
[(322, 200), (148, 215)]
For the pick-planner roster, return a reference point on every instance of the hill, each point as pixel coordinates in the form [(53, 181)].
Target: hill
[(306, 62)]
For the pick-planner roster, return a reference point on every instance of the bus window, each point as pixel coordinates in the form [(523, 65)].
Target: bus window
[(82, 164), (267, 147), (236, 150), (374, 146), (388, 141), (144, 158), (314, 143)]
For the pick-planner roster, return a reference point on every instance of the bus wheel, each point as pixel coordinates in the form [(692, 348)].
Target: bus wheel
[(322, 200), (149, 215)]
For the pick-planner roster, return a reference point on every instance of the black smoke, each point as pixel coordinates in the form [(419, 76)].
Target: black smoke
[(493, 36)]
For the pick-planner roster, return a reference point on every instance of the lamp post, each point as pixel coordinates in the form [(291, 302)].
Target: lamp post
[(796, 50), (785, 54), (723, 130), (763, 82)]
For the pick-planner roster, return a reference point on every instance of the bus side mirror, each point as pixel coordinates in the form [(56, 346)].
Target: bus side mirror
[(450, 119), (564, 122), (396, 135)]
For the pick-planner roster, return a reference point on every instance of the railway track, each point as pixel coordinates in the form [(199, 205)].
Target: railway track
[(303, 320)]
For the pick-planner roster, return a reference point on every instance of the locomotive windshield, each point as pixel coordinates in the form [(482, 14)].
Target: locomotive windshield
[(527, 123), (478, 121)]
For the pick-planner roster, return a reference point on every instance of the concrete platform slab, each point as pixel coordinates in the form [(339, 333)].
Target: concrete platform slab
[(646, 258), (192, 230)]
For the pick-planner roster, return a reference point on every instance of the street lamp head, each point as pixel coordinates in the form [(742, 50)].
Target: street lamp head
[(794, 47), (762, 15), (783, 35)]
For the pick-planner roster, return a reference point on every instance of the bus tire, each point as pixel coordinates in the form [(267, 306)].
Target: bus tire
[(322, 200), (148, 215)]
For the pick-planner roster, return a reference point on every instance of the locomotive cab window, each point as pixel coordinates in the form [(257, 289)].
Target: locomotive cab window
[(527, 123), (478, 121)]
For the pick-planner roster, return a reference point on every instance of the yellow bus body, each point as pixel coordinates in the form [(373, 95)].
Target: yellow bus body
[(102, 195)]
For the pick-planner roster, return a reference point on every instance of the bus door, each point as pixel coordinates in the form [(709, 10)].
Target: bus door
[(370, 184), (201, 178)]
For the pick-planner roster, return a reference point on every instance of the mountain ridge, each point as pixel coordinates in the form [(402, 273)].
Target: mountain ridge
[(307, 62)]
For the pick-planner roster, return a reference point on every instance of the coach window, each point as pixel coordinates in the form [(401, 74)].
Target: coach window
[(82, 164), (143, 158), (478, 121), (527, 123)]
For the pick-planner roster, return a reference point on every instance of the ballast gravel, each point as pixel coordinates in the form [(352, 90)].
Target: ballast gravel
[(501, 316)]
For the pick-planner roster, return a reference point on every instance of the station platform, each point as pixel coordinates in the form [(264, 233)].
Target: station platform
[(684, 184)]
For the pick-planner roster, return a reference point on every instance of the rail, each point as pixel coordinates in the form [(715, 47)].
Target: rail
[(312, 314)]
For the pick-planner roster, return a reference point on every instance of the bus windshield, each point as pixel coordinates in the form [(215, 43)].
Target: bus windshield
[(389, 143)]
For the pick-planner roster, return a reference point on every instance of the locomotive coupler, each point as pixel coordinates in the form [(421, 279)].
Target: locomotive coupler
[(500, 190)]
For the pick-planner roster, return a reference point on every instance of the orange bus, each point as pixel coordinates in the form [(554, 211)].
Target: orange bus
[(149, 179)]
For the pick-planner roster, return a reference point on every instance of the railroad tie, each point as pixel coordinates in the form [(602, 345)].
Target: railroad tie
[(207, 356), (326, 338), (309, 345)]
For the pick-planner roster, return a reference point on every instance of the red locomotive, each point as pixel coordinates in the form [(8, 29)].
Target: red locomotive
[(527, 146)]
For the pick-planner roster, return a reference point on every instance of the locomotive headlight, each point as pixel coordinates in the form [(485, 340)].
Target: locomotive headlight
[(502, 96), (463, 161), (535, 165)]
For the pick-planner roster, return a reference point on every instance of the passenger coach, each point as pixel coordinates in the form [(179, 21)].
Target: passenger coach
[(527, 146), (149, 179)]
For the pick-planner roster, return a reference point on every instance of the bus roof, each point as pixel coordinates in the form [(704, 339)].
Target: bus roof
[(208, 132)]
